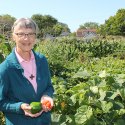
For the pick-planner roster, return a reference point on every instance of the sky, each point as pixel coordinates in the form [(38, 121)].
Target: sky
[(71, 12)]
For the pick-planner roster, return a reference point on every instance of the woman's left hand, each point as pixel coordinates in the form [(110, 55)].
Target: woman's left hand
[(26, 108), (46, 99), (37, 114)]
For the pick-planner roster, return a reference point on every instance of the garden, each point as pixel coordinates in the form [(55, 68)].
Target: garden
[(88, 78)]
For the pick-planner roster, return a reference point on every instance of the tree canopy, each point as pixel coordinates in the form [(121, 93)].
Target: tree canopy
[(49, 25), (6, 22), (46, 23), (115, 25), (89, 25)]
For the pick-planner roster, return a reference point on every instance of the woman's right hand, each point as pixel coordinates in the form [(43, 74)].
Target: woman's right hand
[(27, 108)]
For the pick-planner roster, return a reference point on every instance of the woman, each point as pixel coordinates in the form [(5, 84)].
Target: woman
[(25, 78)]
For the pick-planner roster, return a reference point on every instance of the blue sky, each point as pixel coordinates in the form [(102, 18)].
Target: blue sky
[(71, 12)]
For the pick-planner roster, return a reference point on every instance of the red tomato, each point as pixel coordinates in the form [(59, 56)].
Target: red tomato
[(47, 103)]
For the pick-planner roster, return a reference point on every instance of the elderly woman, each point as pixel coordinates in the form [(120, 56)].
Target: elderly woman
[(25, 78)]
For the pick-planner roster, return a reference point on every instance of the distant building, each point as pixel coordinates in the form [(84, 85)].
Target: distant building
[(48, 36), (64, 34), (86, 33)]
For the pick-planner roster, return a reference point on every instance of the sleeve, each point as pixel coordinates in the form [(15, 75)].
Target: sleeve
[(50, 90), (5, 104)]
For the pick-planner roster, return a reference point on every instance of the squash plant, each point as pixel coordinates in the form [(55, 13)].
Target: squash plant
[(100, 100), (5, 49), (92, 97)]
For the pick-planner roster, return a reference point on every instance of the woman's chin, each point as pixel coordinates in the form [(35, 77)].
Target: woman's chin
[(27, 49)]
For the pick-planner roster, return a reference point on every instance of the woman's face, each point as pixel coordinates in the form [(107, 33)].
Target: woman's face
[(24, 38)]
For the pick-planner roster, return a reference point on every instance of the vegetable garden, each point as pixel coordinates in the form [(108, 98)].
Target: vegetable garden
[(88, 78)]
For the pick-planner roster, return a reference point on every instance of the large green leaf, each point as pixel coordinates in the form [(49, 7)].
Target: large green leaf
[(102, 74), (82, 74), (120, 122), (84, 114), (106, 106), (102, 94)]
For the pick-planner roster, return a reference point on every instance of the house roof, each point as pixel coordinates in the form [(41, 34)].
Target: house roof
[(64, 34), (86, 30), (83, 32)]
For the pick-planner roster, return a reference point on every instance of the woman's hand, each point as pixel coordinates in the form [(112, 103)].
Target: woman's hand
[(47, 103), (26, 108)]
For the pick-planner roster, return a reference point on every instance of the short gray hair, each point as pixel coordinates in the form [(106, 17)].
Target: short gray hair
[(26, 23)]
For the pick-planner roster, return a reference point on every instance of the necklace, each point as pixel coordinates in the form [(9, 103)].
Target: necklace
[(31, 74)]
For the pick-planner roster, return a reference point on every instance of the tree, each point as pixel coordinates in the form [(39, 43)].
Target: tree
[(120, 22), (115, 25), (6, 22), (65, 27), (45, 23), (49, 25), (82, 27), (59, 28), (89, 25)]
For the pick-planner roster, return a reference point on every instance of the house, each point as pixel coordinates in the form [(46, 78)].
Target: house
[(86, 33), (48, 36), (64, 34)]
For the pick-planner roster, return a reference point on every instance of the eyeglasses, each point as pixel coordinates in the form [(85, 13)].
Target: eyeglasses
[(25, 34)]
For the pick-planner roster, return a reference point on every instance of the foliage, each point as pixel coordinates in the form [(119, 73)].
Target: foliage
[(6, 22), (92, 97), (5, 48), (59, 28), (74, 50), (88, 78), (88, 91), (45, 23), (7, 19), (49, 25), (2, 120), (89, 25), (115, 25)]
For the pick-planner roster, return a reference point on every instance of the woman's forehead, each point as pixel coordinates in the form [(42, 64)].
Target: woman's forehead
[(19, 28)]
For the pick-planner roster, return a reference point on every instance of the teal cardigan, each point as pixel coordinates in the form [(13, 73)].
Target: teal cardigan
[(15, 89)]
